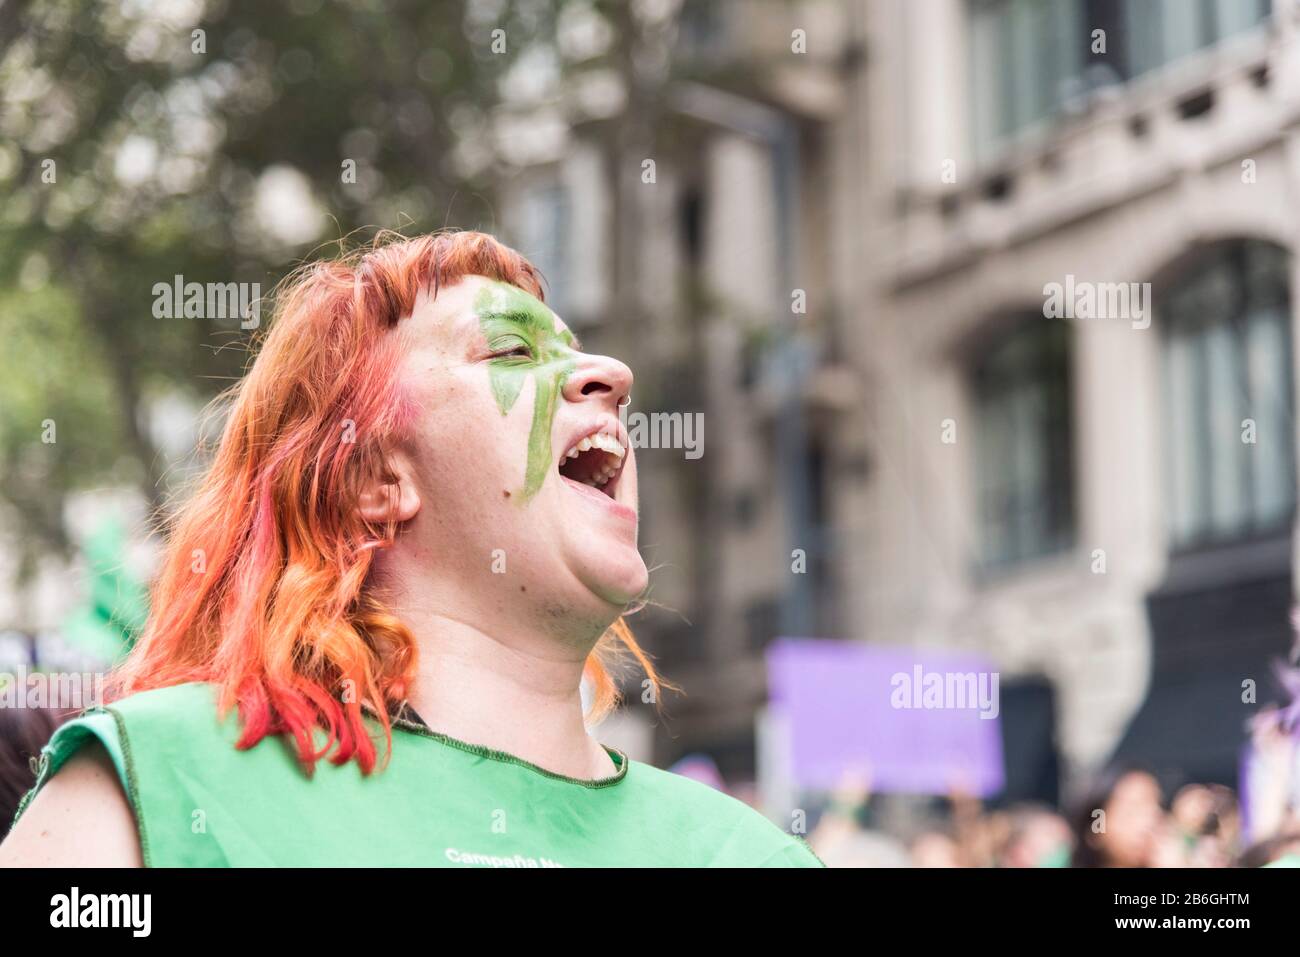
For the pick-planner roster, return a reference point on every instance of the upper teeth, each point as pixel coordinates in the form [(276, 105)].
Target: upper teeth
[(605, 443), (598, 440)]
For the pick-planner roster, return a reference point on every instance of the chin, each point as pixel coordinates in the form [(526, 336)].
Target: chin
[(618, 580)]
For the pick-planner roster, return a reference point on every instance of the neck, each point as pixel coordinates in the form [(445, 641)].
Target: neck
[(513, 693)]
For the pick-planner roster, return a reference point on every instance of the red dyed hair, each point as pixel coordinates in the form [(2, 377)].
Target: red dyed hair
[(262, 588)]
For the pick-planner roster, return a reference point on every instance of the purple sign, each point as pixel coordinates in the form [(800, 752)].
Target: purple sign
[(914, 720)]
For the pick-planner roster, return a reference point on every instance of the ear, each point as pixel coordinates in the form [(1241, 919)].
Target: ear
[(392, 495)]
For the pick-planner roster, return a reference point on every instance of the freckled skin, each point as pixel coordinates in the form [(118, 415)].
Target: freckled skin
[(522, 331)]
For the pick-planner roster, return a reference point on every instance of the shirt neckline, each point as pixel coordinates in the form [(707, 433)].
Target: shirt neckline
[(405, 717)]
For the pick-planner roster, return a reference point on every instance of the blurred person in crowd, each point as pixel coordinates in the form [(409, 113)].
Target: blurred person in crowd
[(841, 839), (977, 834), (1282, 850), (1036, 837), (23, 732), (1120, 822), (934, 848), (1270, 775), (416, 541), (1207, 819)]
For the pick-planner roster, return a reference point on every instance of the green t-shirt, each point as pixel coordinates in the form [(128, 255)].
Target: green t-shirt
[(200, 802)]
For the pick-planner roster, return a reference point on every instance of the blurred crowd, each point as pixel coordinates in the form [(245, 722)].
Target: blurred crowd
[(1123, 820)]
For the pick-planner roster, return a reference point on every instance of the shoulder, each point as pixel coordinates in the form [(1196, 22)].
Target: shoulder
[(84, 808), (681, 788), (144, 721), (82, 817), (178, 718), (183, 712), (744, 836)]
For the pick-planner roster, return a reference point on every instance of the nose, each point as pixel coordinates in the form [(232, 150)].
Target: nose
[(600, 377)]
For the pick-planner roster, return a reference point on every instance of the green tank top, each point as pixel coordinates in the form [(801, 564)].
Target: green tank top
[(440, 802)]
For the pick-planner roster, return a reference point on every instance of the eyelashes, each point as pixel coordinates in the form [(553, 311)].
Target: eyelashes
[(519, 350)]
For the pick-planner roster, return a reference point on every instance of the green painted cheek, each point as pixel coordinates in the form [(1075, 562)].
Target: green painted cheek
[(508, 312), (539, 436)]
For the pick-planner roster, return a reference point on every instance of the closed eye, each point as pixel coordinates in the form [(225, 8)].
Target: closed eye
[(523, 352)]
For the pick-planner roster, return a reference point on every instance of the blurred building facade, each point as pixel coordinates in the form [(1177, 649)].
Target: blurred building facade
[(1105, 504), (1102, 505)]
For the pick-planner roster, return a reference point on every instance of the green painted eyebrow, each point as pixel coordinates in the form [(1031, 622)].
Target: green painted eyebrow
[(530, 320), (503, 311)]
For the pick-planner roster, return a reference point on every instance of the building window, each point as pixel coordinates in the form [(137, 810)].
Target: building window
[(1024, 467), (1228, 394), (1029, 58), (1025, 57), (1160, 31), (702, 30)]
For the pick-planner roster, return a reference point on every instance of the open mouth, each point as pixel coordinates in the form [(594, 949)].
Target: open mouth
[(596, 461)]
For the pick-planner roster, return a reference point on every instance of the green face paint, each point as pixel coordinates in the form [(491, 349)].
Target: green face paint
[(516, 323)]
